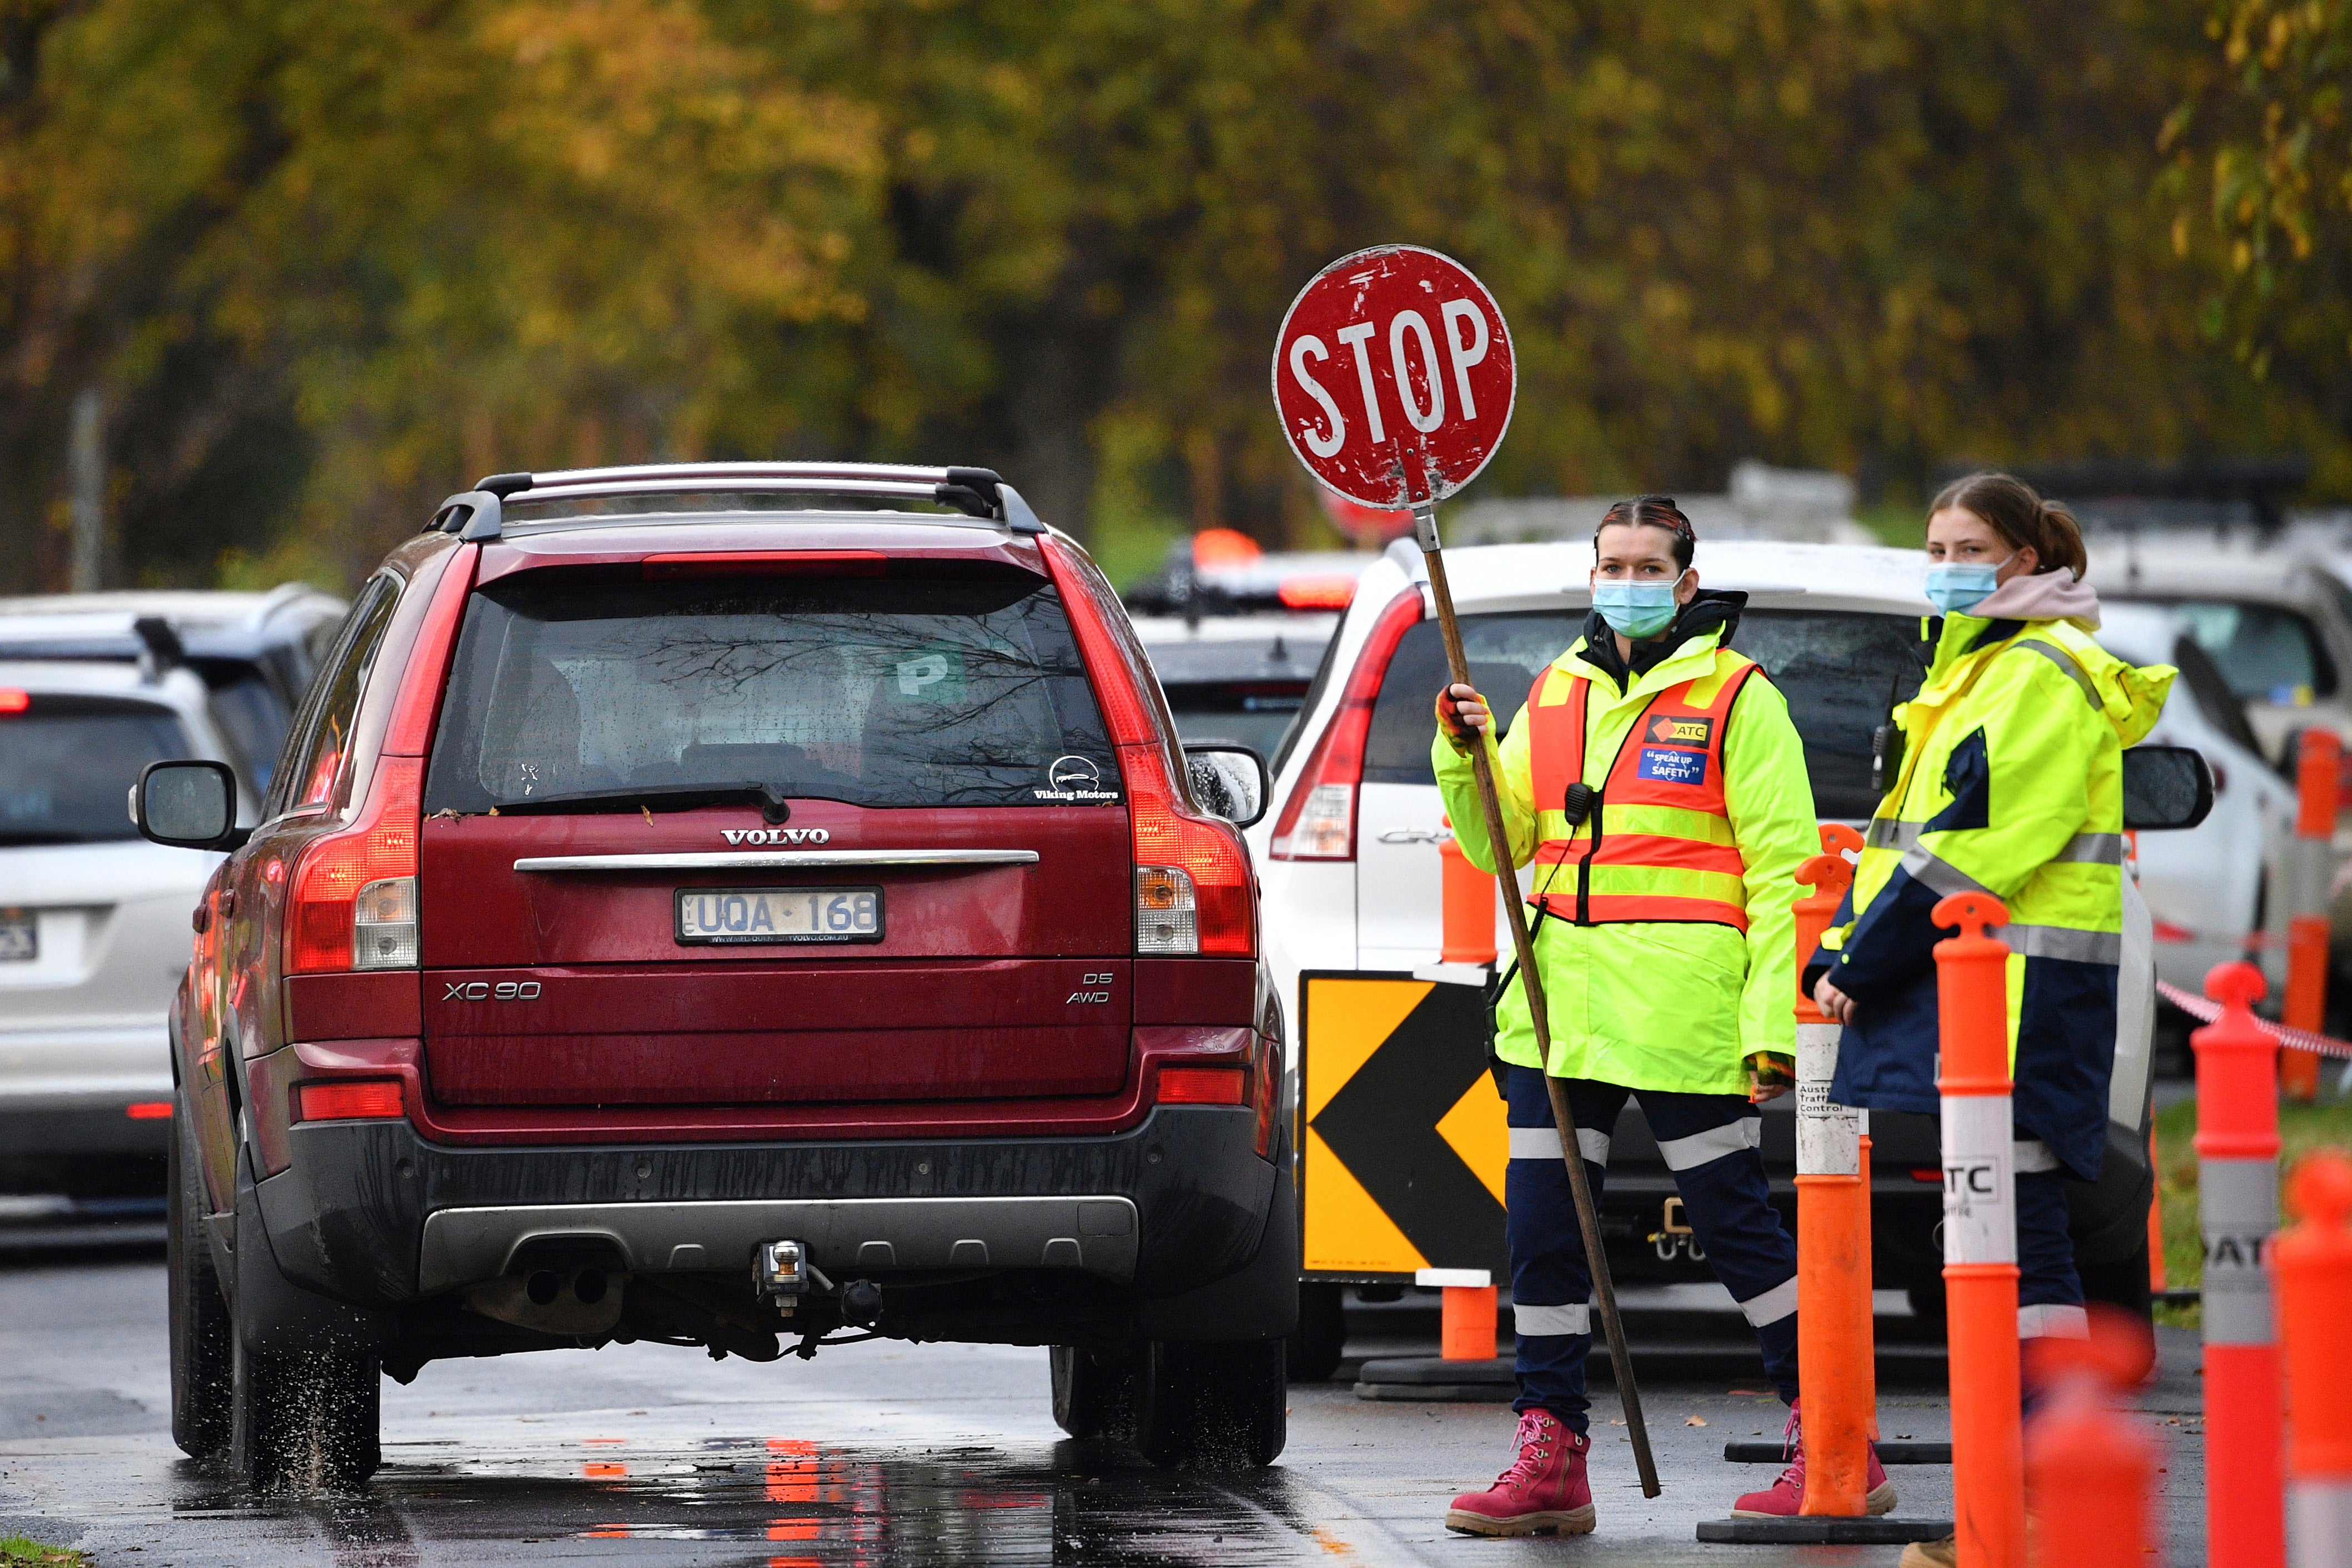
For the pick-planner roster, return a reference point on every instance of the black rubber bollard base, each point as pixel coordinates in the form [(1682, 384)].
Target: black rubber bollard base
[(1768, 1451), (1822, 1531), (1433, 1380)]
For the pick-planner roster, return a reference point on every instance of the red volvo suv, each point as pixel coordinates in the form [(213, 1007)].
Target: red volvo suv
[(750, 907)]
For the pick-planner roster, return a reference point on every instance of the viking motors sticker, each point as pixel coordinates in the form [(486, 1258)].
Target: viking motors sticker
[(1667, 766), (1076, 781)]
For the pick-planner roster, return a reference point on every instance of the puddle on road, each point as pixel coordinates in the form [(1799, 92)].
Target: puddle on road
[(791, 1502)]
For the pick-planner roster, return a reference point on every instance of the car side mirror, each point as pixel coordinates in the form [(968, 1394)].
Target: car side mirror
[(188, 806), (2166, 788), (1228, 782)]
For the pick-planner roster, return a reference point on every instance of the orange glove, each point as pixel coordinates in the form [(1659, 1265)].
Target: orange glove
[(1461, 736)]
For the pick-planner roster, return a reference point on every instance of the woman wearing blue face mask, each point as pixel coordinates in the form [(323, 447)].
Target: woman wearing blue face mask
[(2010, 780)]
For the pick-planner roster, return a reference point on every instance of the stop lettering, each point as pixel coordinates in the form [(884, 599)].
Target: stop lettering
[(1393, 376)]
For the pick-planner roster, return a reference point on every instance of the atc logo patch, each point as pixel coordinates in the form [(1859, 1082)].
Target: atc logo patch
[(1668, 730), (1672, 767)]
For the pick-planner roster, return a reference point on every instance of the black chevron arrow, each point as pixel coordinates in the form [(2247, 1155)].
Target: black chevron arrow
[(1383, 1124)]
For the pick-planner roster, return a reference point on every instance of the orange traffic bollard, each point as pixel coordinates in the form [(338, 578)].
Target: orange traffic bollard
[(2090, 1470), (1467, 906), (1979, 1234), (2156, 1284), (1466, 1323), (1835, 1349), (2237, 1181), (2311, 870), (2313, 1265)]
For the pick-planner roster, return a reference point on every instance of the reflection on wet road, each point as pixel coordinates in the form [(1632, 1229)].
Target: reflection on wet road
[(887, 1454), (786, 1502)]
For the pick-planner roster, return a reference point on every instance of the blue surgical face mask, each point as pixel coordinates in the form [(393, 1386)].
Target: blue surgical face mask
[(1956, 587), (1637, 610)]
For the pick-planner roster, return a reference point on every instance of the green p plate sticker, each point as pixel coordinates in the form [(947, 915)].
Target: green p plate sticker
[(931, 675)]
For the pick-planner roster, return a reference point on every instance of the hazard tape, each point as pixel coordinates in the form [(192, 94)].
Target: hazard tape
[(2204, 1011)]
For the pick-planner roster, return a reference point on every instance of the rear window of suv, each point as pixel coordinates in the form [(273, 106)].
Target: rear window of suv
[(962, 689), (67, 766), (1841, 671)]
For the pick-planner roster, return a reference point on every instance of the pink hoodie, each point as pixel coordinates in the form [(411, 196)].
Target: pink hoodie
[(2041, 596)]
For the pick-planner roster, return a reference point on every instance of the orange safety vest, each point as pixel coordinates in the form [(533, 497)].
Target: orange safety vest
[(1657, 844)]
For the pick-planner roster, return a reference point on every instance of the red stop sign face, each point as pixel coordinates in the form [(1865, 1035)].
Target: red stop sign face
[(1393, 376)]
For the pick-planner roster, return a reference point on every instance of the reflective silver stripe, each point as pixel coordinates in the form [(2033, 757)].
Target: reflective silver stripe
[(1773, 1305), (1886, 833), (2063, 942), (1576, 1317), (1700, 1148), (2237, 1201), (2031, 1154), (1938, 874), (2052, 1322), (2065, 662), (1543, 1144), (2092, 849)]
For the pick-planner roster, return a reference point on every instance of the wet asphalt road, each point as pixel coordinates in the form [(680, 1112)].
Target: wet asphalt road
[(881, 1454)]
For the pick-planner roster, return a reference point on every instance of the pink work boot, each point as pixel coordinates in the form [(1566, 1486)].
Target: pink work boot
[(1544, 1490), (1785, 1498)]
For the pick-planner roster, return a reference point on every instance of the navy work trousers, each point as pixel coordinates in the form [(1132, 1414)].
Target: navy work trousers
[(1709, 1142)]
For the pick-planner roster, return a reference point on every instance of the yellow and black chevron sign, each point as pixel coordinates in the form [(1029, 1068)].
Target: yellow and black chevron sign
[(1404, 1136)]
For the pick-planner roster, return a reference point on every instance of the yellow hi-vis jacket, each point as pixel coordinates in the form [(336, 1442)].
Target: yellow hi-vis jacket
[(1672, 1004), (2012, 781)]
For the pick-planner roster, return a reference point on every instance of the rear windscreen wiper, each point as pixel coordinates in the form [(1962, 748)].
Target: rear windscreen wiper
[(771, 801)]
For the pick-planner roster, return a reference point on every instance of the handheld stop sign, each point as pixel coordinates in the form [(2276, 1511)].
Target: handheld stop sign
[(1394, 377)]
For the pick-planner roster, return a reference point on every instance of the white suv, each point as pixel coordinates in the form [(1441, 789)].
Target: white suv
[(93, 919), (1350, 849)]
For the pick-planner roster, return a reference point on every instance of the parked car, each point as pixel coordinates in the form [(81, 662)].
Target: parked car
[(1350, 845), (254, 652), (2208, 889), (1222, 572), (1238, 679), (727, 905), (93, 921), (2273, 618)]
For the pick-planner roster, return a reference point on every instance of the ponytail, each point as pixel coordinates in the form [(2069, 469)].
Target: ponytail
[(2022, 519)]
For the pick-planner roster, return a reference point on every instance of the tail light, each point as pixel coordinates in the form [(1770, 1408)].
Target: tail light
[(1333, 592), (349, 1102), (1193, 889), (1203, 1086), (353, 899), (1319, 820)]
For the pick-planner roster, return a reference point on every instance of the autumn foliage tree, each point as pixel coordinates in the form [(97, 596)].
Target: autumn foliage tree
[(329, 262)]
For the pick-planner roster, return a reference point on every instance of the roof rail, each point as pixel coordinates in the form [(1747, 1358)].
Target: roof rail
[(478, 514)]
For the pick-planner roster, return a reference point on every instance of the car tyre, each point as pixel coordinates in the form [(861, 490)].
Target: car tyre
[(1094, 1392), (2123, 1283), (307, 1420), (1927, 1303), (1212, 1407), (1313, 1354), (202, 1350)]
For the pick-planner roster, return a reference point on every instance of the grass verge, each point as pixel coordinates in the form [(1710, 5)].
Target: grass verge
[(2301, 1127), (17, 1551)]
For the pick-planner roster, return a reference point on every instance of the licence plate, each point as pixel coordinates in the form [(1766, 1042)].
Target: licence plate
[(20, 938), (779, 914)]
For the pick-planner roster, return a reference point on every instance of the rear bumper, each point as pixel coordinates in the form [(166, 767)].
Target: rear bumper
[(369, 1214), (1094, 1234), (52, 1126)]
